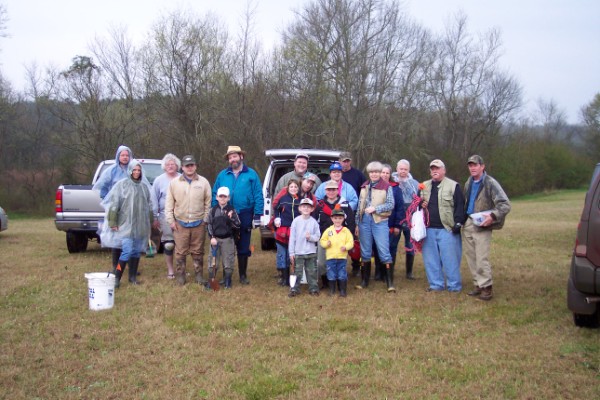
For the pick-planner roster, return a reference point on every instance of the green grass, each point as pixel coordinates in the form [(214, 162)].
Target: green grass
[(163, 341)]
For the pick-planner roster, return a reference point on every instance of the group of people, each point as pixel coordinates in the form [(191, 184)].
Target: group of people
[(184, 207), (317, 225), (373, 213)]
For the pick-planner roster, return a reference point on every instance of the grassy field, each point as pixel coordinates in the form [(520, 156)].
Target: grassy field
[(163, 341)]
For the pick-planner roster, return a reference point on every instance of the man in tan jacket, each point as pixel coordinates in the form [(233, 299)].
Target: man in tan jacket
[(186, 208)]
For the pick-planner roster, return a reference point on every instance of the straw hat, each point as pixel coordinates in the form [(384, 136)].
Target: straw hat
[(234, 149)]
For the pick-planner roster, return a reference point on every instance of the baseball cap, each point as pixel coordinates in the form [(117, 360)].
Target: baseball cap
[(437, 163), (335, 166), (306, 201), (188, 160), (338, 211), (345, 155), (331, 184), (301, 155), (475, 159), (310, 177), (223, 190)]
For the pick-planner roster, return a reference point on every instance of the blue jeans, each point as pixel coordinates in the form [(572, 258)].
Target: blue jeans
[(131, 248), (243, 244), (442, 251), (368, 232), (283, 256), (336, 269)]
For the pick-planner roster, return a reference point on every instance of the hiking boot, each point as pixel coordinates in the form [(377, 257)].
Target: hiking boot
[(486, 293), (475, 292)]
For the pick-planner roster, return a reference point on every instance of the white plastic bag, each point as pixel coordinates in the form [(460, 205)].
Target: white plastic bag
[(418, 230)]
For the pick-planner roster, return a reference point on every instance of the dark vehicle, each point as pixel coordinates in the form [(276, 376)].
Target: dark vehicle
[(583, 288)]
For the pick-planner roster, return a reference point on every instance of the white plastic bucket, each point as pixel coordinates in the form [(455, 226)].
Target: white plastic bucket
[(101, 290)]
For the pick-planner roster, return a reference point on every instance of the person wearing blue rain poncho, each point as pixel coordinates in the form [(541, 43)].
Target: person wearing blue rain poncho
[(109, 177), (128, 220)]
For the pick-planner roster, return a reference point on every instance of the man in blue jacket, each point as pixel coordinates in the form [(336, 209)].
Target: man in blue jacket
[(245, 197)]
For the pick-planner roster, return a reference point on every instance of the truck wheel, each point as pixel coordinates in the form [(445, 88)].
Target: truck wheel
[(76, 242), (587, 320)]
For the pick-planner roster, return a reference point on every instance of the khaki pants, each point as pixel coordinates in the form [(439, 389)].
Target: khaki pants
[(476, 247), (189, 241)]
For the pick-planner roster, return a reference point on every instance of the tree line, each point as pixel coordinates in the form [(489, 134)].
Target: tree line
[(358, 75)]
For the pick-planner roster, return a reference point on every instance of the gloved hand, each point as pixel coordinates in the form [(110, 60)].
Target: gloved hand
[(456, 228), (256, 221)]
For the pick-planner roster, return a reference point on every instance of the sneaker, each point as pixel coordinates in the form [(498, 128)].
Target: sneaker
[(486, 293), (293, 293), (314, 293)]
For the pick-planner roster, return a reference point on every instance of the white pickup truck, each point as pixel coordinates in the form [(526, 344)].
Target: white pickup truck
[(78, 207)]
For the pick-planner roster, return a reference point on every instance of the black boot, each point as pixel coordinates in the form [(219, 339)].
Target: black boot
[(355, 268), (379, 272), (343, 285), (389, 277), (133, 269), (243, 267), (410, 259), (324, 282), (365, 273), (331, 288), (116, 253), (119, 269), (227, 280)]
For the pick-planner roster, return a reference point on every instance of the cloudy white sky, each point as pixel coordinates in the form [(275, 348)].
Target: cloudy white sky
[(551, 46)]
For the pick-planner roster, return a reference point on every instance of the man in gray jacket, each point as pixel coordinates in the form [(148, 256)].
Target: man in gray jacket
[(486, 206)]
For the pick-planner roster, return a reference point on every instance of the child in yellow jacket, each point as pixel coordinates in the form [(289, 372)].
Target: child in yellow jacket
[(337, 240)]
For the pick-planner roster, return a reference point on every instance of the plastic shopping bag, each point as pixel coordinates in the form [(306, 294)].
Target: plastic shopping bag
[(418, 230)]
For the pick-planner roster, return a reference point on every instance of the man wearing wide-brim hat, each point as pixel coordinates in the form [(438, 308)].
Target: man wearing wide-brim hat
[(246, 197)]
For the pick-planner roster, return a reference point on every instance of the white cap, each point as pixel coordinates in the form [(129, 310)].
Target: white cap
[(223, 190)]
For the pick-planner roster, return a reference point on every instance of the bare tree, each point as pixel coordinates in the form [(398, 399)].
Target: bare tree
[(183, 71), (471, 94)]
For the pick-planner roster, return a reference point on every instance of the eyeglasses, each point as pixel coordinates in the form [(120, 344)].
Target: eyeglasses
[(189, 165)]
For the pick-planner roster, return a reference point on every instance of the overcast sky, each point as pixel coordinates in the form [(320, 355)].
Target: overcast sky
[(552, 47)]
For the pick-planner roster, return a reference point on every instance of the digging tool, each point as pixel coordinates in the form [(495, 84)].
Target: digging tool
[(212, 282)]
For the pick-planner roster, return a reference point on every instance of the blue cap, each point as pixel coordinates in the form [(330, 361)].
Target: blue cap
[(335, 166)]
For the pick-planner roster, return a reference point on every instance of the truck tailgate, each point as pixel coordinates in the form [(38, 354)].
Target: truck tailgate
[(81, 199)]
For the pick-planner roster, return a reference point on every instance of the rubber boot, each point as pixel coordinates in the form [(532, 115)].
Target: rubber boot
[(324, 282), (243, 267), (180, 272), (133, 270), (119, 269), (379, 272), (332, 287), (410, 259), (199, 271), (116, 253), (343, 285), (389, 277), (365, 273), (355, 268), (227, 280)]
